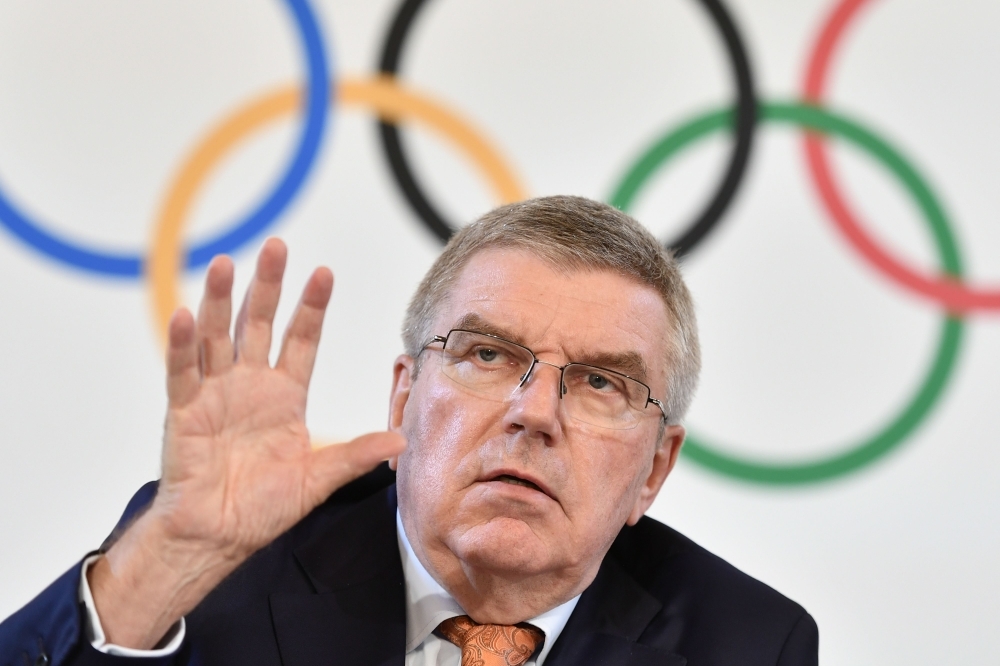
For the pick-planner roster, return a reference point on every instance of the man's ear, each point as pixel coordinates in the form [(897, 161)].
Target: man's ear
[(402, 381), (663, 462)]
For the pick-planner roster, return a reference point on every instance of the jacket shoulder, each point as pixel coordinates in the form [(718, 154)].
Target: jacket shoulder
[(50, 627), (711, 608)]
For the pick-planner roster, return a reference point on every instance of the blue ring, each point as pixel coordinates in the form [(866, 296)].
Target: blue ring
[(263, 216)]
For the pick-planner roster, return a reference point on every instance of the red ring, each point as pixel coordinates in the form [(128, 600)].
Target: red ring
[(947, 291)]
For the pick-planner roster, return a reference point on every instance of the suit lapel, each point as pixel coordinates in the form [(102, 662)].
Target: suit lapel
[(358, 613), (608, 620)]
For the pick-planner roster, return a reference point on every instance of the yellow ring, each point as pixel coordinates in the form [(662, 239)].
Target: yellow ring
[(382, 94)]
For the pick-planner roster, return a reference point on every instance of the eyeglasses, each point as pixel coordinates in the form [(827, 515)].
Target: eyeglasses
[(495, 368)]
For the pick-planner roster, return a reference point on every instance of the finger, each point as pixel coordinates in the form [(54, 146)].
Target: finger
[(182, 359), (338, 464), (298, 349), (254, 323), (214, 316)]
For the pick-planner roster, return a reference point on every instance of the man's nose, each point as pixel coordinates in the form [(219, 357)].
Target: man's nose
[(535, 405)]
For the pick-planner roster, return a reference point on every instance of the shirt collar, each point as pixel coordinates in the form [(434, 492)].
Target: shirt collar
[(428, 604)]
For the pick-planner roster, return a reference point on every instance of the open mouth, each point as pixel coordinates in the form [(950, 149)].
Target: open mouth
[(507, 478)]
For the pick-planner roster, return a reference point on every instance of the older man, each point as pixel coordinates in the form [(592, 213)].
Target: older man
[(551, 353)]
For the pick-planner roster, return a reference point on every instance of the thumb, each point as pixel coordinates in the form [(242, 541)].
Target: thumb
[(336, 465)]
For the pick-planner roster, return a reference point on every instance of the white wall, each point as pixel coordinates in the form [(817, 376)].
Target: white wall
[(807, 347)]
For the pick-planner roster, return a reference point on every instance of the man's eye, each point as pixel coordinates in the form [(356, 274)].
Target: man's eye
[(600, 382), (487, 355)]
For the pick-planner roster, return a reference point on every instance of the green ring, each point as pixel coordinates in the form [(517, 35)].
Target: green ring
[(854, 456)]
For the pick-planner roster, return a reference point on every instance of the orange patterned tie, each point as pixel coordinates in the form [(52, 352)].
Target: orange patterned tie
[(491, 644)]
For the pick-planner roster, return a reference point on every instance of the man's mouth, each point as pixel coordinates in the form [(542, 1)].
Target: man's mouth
[(507, 478)]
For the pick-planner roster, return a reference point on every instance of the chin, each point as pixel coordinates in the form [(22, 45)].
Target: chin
[(504, 545)]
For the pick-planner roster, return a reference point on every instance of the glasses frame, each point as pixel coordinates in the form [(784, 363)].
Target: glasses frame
[(535, 361)]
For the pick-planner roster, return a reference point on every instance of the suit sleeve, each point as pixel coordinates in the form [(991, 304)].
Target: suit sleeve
[(802, 645), (48, 631)]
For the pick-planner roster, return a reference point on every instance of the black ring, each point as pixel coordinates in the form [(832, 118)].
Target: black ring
[(697, 231)]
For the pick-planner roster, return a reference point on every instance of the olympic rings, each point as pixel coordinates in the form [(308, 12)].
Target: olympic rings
[(923, 400), (381, 94), (129, 265), (394, 103), (697, 231), (946, 290)]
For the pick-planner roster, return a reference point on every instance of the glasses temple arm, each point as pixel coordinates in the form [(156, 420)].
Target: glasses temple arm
[(663, 410)]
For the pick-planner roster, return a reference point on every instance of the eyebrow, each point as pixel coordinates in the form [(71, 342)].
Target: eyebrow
[(629, 363), (476, 323)]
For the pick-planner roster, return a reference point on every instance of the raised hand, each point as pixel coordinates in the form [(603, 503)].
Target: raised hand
[(238, 465)]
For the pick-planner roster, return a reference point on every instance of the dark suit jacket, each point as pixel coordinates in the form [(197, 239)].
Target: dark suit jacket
[(331, 591)]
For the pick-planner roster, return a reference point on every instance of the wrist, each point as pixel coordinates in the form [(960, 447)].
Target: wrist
[(149, 580)]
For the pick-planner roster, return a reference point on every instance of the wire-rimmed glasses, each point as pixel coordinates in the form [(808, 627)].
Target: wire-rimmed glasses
[(495, 368)]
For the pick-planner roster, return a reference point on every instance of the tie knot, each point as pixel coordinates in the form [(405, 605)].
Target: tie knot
[(491, 644)]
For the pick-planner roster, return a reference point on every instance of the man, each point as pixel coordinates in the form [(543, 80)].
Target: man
[(551, 353)]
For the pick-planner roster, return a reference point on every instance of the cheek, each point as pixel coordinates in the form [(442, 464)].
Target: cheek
[(443, 433), (609, 475)]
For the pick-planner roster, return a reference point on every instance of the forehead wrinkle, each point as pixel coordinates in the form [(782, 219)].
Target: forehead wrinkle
[(556, 302), (533, 313), (627, 361)]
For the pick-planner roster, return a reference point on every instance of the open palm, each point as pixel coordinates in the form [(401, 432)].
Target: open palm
[(238, 465)]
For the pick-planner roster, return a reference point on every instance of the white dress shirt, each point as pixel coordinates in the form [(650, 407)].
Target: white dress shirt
[(95, 632), (427, 605)]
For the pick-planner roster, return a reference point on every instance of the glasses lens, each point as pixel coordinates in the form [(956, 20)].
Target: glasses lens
[(602, 397), (485, 364)]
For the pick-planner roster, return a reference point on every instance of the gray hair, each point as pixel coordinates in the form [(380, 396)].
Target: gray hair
[(572, 233)]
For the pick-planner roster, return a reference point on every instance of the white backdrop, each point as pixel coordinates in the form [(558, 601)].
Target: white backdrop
[(808, 348)]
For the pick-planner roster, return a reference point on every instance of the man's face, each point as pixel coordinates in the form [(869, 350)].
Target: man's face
[(456, 496)]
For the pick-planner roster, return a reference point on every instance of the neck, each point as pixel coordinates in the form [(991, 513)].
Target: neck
[(492, 595)]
